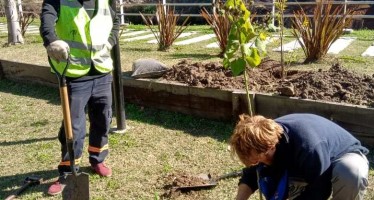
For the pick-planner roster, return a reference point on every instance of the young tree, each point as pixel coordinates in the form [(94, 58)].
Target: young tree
[(14, 29)]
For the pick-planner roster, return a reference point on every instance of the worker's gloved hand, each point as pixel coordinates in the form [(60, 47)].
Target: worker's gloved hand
[(58, 50)]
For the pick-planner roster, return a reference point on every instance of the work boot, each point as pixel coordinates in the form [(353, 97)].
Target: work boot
[(56, 188), (102, 169)]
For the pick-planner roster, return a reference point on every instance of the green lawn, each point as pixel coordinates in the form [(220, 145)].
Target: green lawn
[(34, 52), (157, 144)]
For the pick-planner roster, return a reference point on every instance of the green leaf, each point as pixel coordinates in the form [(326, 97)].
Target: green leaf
[(226, 62), (252, 57), (232, 34), (231, 49), (237, 66), (261, 46), (229, 3)]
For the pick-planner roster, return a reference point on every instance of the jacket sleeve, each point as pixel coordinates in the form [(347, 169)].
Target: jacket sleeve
[(113, 38), (249, 178), (48, 18)]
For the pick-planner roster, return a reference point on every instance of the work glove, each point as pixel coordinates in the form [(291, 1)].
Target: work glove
[(58, 50)]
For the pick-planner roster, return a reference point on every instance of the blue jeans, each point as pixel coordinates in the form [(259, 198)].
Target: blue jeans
[(96, 95)]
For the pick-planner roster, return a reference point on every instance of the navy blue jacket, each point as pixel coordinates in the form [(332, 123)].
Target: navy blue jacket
[(309, 145)]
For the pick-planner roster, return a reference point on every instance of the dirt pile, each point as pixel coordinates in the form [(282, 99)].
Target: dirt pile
[(172, 182), (336, 84)]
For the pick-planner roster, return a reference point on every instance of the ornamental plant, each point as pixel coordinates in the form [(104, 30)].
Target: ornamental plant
[(317, 35), (219, 23), (281, 6), (167, 30), (245, 46)]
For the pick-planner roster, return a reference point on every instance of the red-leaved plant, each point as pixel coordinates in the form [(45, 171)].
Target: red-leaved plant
[(317, 35), (167, 30), (220, 25)]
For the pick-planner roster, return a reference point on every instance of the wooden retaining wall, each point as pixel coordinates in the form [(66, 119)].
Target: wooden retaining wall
[(213, 103)]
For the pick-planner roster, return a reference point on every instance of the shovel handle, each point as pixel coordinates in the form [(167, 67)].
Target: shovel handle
[(66, 112), (230, 175), (19, 191)]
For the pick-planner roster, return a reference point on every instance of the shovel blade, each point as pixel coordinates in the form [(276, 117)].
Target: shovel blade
[(196, 187), (77, 187)]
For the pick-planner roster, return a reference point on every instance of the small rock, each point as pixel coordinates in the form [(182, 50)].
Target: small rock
[(287, 90)]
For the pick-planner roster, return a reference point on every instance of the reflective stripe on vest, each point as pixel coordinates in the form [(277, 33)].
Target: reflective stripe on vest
[(86, 37)]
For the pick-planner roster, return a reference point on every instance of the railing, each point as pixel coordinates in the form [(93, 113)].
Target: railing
[(346, 3)]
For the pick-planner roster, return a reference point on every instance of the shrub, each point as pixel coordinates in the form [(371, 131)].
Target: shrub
[(220, 24), (30, 13), (167, 30), (317, 35)]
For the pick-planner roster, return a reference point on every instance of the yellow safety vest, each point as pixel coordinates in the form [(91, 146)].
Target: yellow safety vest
[(86, 37)]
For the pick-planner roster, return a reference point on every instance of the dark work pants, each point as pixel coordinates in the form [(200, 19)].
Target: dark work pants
[(96, 94)]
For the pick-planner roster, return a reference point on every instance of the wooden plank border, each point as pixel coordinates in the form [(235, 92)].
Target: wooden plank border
[(213, 103)]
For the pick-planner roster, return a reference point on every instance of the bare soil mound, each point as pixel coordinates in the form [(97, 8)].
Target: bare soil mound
[(180, 179), (336, 84)]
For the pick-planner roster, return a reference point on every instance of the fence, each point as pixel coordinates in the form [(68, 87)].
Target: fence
[(123, 6), (346, 3)]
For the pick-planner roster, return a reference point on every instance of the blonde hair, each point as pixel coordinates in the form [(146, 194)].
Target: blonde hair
[(256, 133)]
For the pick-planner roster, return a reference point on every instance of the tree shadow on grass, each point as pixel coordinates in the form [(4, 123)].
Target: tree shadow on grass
[(51, 94), (192, 55), (7, 183), (28, 141), (47, 177), (196, 126), (138, 49)]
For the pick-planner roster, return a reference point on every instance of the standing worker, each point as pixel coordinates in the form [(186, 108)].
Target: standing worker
[(299, 156), (83, 31)]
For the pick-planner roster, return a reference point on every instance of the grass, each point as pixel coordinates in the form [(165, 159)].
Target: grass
[(131, 51), (158, 142)]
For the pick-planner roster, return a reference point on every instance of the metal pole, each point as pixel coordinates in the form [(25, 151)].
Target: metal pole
[(273, 13), (117, 85), (214, 7), (121, 11), (164, 4)]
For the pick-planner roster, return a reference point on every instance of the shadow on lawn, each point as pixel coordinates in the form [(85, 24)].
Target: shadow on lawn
[(30, 90), (28, 141), (195, 126), (203, 56), (10, 184)]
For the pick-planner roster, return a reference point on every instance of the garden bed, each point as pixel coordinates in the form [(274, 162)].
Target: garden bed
[(227, 104), (215, 103)]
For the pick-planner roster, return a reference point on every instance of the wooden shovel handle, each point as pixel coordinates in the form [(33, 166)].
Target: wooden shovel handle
[(66, 113)]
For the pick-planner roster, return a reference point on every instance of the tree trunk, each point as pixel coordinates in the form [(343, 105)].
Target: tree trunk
[(14, 29)]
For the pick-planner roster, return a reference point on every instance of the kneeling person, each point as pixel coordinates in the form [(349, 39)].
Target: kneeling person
[(299, 156)]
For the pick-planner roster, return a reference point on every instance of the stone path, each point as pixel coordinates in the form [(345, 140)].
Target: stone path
[(338, 46), (369, 51), (31, 29), (196, 39), (129, 35), (182, 35)]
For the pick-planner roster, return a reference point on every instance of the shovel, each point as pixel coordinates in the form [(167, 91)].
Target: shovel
[(211, 182), (28, 182), (77, 183)]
